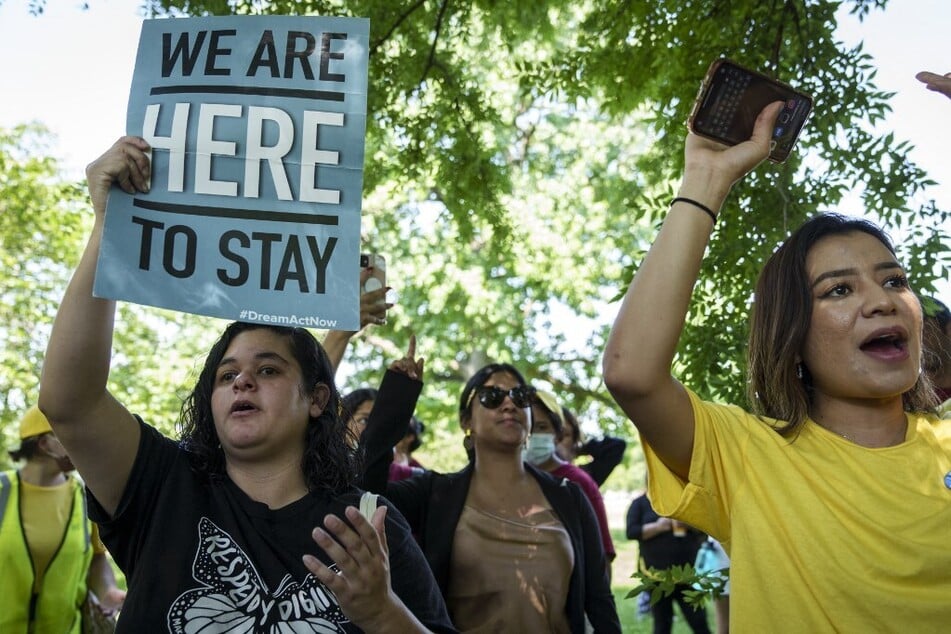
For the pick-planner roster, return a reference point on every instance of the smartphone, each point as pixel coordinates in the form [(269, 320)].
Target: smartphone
[(377, 280), (730, 99)]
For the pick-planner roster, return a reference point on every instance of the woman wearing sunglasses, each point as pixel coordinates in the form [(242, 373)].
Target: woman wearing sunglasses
[(512, 548)]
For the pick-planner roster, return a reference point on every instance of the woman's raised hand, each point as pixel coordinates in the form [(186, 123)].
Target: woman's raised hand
[(717, 166), (410, 365), (373, 304), (936, 82), (127, 164)]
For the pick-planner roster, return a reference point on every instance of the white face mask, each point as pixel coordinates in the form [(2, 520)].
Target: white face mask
[(539, 448)]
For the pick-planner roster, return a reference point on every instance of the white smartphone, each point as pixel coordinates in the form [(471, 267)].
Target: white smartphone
[(377, 280)]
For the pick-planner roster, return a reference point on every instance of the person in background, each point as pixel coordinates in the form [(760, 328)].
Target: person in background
[(395, 398), (548, 425), (841, 457), (512, 549), (357, 406), (665, 543), (712, 559), (250, 520), (936, 357), (50, 553), (381, 408), (606, 453), (413, 440)]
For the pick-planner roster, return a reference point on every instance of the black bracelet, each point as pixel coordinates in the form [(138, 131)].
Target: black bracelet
[(701, 206)]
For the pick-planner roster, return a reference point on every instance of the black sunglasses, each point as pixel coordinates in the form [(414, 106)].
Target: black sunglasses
[(491, 397)]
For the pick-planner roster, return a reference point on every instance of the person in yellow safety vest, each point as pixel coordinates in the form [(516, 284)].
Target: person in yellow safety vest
[(50, 553)]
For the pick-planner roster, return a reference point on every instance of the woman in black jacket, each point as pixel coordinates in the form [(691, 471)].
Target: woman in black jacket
[(512, 548)]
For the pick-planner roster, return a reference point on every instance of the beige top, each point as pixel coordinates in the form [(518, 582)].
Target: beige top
[(509, 575)]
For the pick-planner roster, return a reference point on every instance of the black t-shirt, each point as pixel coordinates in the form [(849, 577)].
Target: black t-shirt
[(202, 556), (664, 550)]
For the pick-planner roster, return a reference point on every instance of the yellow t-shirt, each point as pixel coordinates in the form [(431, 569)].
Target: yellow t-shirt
[(46, 510), (823, 535)]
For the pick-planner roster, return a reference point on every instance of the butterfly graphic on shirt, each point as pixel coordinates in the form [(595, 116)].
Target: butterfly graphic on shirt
[(233, 598)]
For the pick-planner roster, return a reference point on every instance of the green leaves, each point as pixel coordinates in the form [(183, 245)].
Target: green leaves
[(43, 225), (663, 583)]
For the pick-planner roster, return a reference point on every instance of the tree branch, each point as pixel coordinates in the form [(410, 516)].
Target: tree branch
[(402, 18), (432, 49)]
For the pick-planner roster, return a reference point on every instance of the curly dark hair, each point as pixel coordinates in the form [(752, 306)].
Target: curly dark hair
[(353, 400), (328, 461)]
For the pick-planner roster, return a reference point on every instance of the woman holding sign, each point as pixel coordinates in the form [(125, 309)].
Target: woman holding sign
[(216, 531)]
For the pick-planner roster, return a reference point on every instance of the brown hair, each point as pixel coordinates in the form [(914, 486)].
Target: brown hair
[(779, 322)]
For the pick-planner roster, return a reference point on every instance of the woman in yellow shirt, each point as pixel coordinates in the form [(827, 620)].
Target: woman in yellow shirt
[(833, 498)]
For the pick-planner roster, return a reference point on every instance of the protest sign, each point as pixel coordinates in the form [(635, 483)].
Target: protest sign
[(257, 127)]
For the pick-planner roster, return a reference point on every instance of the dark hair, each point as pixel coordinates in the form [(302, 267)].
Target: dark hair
[(352, 401), (936, 355), (556, 418), (415, 429), (478, 379), (328, 462), (28, 448), (780, 319), (933, 308)]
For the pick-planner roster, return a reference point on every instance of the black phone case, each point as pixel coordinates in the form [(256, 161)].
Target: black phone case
[(730, 99)]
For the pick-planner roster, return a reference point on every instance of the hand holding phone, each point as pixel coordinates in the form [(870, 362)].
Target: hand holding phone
[(373, 304), (730, 99), (377, 278)]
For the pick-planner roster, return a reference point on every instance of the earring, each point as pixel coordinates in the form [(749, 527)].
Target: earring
[(799, 371), (467, 441)]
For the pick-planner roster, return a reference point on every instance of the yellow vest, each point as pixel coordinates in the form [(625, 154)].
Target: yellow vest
[(56, 609)]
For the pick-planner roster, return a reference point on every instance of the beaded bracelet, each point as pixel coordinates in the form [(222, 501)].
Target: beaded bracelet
[(701, 206)]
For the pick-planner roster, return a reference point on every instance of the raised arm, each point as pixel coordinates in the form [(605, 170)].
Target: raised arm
[(373, 307), (99, 434), (392, 409), (640, 350), (606, 453)]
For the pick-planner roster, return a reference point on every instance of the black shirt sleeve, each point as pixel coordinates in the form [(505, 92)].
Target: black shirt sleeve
[(606, 454), (386, 425)]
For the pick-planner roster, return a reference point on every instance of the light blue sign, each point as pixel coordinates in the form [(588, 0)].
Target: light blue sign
[(257, 127)]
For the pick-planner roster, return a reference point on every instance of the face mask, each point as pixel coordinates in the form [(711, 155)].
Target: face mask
[(539, 448)]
